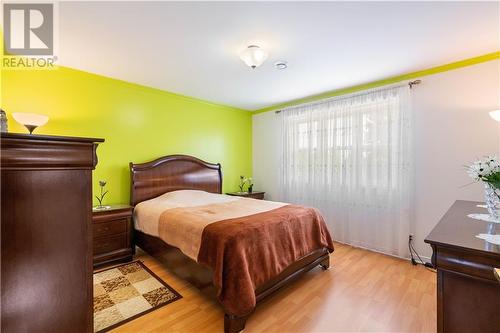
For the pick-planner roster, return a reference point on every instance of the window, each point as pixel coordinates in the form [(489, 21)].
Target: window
[(351, 157)]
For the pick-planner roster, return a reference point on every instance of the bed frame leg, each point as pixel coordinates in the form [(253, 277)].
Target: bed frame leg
[(325, 263), (233, 324)]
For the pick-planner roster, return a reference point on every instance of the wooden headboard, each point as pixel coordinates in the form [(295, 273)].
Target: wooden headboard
[(171, 173)]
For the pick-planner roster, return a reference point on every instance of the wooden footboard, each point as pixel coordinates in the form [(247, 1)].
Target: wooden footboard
[(201, 277)]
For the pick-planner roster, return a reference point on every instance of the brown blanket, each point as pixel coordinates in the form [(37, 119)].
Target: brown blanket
[(248, 251)]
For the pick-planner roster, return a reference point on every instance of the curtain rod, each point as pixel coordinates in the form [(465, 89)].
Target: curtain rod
[(358, 93)]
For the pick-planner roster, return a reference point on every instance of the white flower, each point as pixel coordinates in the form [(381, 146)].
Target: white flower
[(481, 169)]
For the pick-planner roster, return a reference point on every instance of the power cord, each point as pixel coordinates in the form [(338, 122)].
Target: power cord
[(412, 250)]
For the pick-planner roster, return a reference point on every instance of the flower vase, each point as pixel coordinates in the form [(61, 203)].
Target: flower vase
[(101, 207), (492, 201)]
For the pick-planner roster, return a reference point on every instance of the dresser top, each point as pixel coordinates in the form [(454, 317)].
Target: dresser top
[(244, 193), (36, 137), (45, 152), (456, 229), (112, 208)]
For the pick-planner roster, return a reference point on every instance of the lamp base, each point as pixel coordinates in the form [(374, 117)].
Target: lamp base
[(30, 128)]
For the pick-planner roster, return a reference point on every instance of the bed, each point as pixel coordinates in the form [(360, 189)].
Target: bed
[(224, 254)]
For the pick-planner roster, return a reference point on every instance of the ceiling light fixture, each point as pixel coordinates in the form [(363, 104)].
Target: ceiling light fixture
[(253, 56), (281, 64)]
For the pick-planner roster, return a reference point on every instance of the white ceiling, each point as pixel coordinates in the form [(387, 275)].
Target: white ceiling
[(192, 48)]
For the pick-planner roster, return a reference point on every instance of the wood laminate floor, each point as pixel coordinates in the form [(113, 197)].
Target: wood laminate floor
[(362, 291)]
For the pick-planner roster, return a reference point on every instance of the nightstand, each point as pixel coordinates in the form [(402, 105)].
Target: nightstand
[(112, 234), (253, 195)]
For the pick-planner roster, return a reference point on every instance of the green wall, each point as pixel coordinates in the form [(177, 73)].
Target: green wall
[(137, 122)]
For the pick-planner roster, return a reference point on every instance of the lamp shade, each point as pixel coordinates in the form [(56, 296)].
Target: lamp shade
[(495, 115), (30, 120), (253, 56)]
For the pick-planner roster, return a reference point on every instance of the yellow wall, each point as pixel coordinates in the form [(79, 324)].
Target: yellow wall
[(138, 123)]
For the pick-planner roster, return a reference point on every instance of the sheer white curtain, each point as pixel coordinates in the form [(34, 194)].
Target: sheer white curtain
[(351, 158)]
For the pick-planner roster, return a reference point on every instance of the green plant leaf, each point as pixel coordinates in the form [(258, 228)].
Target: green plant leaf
[(493, 179)]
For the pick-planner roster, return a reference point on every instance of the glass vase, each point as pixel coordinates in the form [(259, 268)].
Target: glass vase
[(492, 201)]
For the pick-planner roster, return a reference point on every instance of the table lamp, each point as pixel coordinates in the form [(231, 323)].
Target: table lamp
[(30, 120)]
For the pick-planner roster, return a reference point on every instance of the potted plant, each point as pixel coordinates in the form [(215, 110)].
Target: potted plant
[(244, 181), (487, 171), (242, 184), (250, 184)]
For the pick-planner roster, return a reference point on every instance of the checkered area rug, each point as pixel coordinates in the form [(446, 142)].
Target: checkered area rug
[(126, 292)]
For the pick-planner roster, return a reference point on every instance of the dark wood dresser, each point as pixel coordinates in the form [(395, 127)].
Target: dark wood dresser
[(113, 235), (468, 292), (254, 195), (46, 259)]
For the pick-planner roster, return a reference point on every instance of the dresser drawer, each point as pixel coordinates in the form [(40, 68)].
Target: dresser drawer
[(112, 231), (112, 227), (110, 243)]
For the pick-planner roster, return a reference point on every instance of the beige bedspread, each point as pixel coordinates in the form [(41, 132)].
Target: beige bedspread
[(179, 217), (183, 226)]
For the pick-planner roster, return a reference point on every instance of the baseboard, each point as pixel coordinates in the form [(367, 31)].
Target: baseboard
[(424, 258)]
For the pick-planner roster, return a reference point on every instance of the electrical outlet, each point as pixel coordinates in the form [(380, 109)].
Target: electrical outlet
[(410, 237)]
